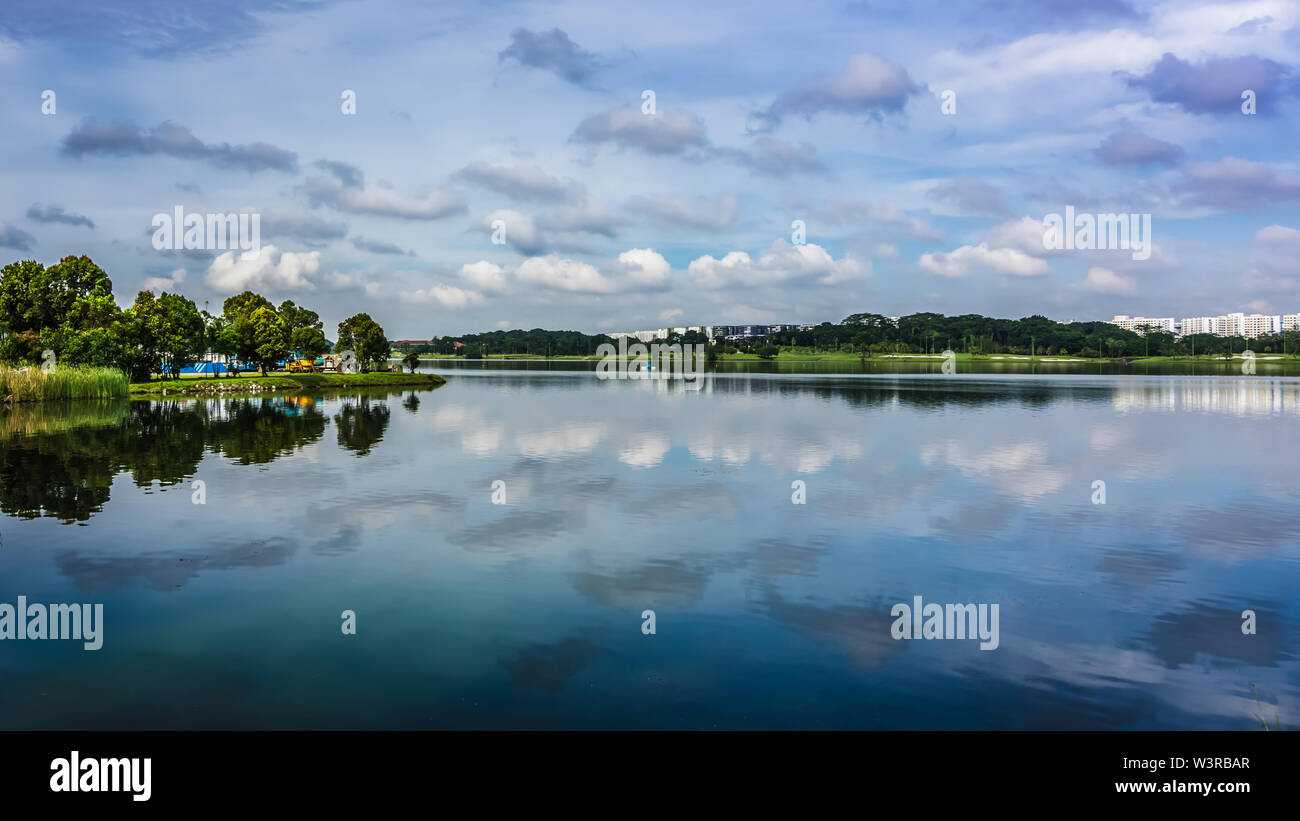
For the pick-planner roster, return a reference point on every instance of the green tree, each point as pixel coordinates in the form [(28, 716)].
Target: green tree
[(272, 340), (180, 332), (296, 317), (308, 342), (42, 307), (411, 360), (239, 334), (365, 338)]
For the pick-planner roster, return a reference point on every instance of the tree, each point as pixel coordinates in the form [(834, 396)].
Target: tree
[(296, 318), (217, 338), (269, 333), (411, 360), (365, 338), (239, 334), (308, 342), (179, 332), (43, 307)]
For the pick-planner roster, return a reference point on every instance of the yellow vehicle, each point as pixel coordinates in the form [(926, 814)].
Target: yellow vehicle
[(301, 366)]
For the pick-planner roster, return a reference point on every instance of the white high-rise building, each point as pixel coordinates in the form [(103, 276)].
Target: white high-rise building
[(1253, 325), (1232, 324), (1139, 324), (1200, 325)]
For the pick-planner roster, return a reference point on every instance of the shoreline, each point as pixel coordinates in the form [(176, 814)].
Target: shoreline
[(227, 386)]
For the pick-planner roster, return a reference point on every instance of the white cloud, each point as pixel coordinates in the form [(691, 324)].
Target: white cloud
[(1024, 235), (563, 274), (267, 270), (643, 267), (485, 276), (168, 283), (959, 262), (381, 200), (1106, 281), (448, 296), (779, 263)]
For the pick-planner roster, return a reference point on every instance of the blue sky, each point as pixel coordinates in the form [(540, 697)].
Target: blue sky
[(765, 113)]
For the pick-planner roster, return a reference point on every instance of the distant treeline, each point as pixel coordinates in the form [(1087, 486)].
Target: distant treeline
[(866, 333), (977, 334), (537, 342)]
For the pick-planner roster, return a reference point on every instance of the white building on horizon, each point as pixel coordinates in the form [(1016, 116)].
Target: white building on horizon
[(1238, 323)]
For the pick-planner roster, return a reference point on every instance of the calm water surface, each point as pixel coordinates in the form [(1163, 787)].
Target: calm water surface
[(627, 496)]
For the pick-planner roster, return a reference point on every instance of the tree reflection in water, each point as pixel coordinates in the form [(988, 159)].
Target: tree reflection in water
[(59, 460)]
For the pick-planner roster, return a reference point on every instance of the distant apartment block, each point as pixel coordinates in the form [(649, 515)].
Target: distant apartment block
[(1240, 324), (1200, 325), (1140, 324), (715, 331)]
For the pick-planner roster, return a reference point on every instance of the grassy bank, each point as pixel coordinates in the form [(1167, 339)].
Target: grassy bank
[(210, 386), (65, 382)]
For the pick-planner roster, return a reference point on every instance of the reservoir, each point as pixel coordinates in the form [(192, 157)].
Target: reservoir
[(521, 606)]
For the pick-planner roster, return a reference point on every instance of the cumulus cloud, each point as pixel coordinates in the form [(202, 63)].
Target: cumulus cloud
[(869, 86), (1215, 85), (557, 229), (644, 268), (562, 274), (666, 132), (1280, 236), (1024, 235), (485, 276), (552, 51), (521, 232), (1106, 281), (168, 284), (344, 188), (267, 270), (780, 263), (11, 237), (124, 139), (55, 213), (960, 262), (524, 183), (1135, 148), (683, 212), (448, 296)]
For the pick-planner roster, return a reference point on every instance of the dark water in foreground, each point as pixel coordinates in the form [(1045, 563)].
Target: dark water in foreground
[(627, 496)]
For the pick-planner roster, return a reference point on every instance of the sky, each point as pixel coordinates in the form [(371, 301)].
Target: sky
[(790, 163)]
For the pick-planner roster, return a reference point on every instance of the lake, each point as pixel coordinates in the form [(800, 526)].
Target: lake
[(499, 539)]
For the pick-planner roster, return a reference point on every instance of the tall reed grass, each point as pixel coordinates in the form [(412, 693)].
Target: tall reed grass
[(31, 384)]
